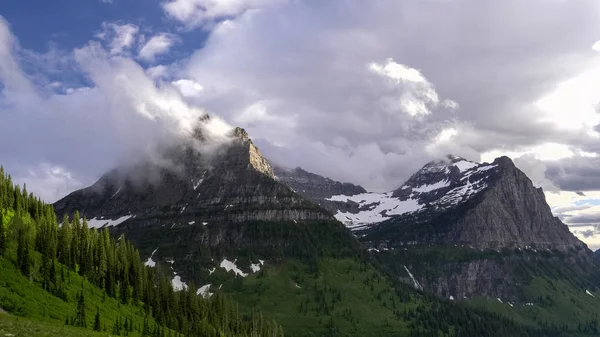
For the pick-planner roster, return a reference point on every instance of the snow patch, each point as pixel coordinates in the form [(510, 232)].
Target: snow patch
[(117, 192), (210, 271), (99, 222), (499, 300), (204, 223), (191, 222), (196, 184), (262, 262), (150, 262), (589, 293), (415, 282), (373, 250), (465, 165), (229, 266), (171, 261), (204, 291), (297, 286), (432, 187), (178, 285), (255, 267), (451, 298)]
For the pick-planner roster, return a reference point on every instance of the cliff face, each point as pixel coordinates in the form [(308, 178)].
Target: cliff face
[(513, 213)]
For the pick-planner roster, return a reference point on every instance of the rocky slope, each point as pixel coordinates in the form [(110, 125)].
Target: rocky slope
[(318, 188)]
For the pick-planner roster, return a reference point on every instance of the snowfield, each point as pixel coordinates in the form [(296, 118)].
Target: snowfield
[(378, 207), (100, 222), (376, 204)]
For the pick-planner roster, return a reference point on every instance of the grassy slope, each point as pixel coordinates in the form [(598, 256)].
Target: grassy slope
[(556, 292), (555, 301), (290, 294), (28, 327), (20, 297)]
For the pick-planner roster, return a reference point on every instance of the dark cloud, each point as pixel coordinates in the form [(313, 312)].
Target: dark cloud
[(576, 174)]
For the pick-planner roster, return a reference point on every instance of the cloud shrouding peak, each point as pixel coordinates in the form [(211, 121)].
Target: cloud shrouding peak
[(157, 45), (86, 131)]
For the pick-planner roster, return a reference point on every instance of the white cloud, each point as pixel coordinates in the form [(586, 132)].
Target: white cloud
[(188, 88), (85, 132), (48, 181), (596, 46), (157, 45), (415, 95), (202, 12), (121, 37)]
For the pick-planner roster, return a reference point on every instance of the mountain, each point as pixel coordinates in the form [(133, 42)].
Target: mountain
[(221, 220), (483, 234), (485, 206), (318, 188)]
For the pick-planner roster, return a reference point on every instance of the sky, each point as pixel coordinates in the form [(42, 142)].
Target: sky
[(360, 91)]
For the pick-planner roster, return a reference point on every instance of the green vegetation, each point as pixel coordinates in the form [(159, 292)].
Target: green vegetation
[(317, 281), (84, 278), (547, 287)]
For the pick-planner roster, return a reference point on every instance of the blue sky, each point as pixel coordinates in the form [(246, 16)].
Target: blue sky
[(71, 23), (360, 91)]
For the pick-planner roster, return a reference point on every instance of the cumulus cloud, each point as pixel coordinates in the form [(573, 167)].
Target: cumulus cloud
[(86, 131), (157, 45)]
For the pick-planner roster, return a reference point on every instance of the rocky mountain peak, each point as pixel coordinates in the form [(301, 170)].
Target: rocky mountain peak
[(228, 179), (480, 205)]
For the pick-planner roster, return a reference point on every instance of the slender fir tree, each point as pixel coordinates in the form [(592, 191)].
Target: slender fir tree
[(2, 235), (97, 325)]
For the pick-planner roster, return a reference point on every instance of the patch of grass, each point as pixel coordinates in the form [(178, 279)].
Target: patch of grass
[(21, 297), (12, 326), (344, 296)]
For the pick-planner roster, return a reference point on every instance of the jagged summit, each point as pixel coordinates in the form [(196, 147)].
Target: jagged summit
[(207, 178), (438, 184), (480, 205)]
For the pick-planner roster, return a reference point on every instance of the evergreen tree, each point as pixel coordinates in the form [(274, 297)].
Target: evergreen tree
[(2, 235), (97, 325), (80, 320)]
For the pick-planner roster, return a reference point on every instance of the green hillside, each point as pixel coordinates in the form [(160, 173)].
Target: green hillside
[(57, 280), (316, 280), (549, 288)]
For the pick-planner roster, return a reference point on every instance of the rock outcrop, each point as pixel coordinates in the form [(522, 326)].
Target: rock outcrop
[(318, 188)]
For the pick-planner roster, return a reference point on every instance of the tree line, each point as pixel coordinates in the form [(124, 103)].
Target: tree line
[(29, 225)]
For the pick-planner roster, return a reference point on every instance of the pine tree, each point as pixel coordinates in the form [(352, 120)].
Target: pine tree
[(80, 320), (2, 235), (97, 325)]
